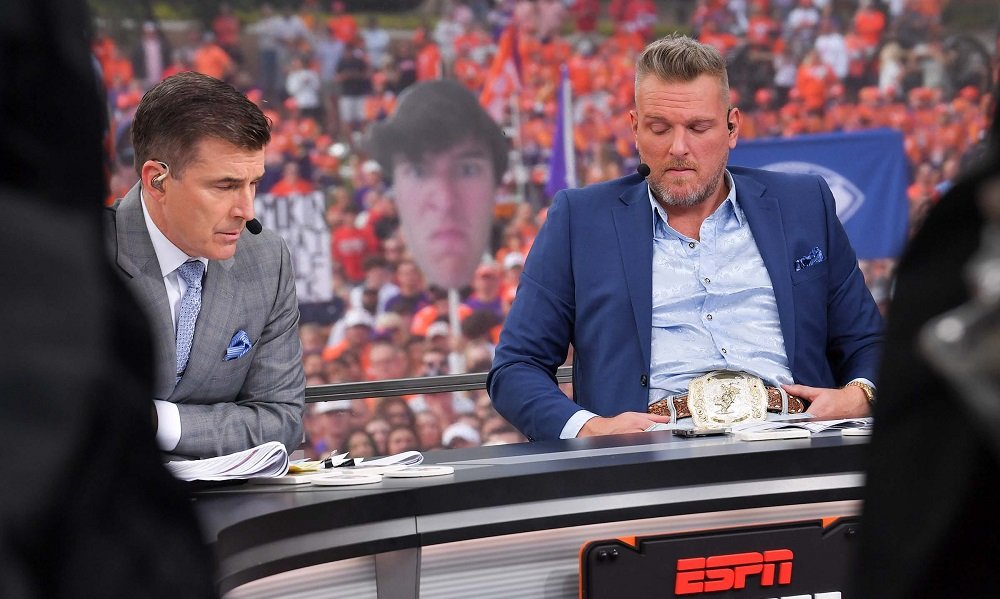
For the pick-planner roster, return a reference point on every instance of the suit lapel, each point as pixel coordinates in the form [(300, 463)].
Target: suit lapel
[(633, 218), (216, 324), (136, 256), (768, 231)]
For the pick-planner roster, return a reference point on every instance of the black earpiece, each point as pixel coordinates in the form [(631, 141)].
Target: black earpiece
[(731, 126)]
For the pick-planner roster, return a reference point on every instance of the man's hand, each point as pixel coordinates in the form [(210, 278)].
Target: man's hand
[(832, 404), (628, 422)]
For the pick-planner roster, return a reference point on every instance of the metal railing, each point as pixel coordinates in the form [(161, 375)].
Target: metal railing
[(411, 386)]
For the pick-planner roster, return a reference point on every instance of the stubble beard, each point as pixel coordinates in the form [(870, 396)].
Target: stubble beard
[(694, 198)]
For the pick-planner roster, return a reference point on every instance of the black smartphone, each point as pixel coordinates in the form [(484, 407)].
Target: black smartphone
[(699, 432)]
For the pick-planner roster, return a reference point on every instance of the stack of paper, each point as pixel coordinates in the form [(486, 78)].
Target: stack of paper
[(406, 458), (310, 471), (267, 460), (813, 426)]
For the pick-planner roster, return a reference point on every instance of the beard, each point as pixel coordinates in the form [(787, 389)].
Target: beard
[(694, 197)]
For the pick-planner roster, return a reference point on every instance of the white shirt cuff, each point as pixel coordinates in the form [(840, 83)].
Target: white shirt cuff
[(575, 423), (168, 424)]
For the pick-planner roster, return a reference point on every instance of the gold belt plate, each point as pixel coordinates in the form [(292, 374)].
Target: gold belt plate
[(725, 397)]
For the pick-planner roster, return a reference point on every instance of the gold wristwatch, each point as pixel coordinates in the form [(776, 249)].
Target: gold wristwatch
[(868, 389)]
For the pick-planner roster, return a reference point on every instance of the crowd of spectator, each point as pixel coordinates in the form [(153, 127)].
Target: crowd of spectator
[(323, 75)]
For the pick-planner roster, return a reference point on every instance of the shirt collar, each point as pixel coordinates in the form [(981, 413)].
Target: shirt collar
[(730, 199), (167, 254)]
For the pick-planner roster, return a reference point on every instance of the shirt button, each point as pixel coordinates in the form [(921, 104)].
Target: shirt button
[(707, 280), (709, 317), (691, 244), (723, 350)]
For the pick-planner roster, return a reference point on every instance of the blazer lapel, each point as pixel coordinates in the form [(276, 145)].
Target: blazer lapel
[(764, 217), (633, 219), (216, 324), (135, 255)]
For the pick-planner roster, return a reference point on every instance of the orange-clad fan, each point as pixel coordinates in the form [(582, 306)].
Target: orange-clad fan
[(342, 25)]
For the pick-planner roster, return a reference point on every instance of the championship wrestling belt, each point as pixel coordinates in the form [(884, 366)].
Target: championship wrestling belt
[(724, 397)]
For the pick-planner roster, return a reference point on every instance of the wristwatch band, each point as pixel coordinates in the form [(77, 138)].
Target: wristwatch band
[(868, 389)]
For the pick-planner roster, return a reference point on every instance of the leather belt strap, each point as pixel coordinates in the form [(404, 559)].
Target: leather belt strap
[(796, 405)]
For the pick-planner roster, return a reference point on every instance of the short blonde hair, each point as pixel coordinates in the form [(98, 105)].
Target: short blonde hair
[(677, 57)]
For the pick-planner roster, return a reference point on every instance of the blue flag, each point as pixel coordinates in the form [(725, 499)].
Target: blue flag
[(562, 161), (867, 172)]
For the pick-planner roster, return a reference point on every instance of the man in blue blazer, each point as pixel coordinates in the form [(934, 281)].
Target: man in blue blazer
[(689, 267)]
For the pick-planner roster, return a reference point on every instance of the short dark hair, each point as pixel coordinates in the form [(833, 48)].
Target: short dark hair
[(185, 108), (479, 323), (374, 261), (431, 117)]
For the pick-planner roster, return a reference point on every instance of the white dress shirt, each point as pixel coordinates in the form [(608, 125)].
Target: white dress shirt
[(170, 257)]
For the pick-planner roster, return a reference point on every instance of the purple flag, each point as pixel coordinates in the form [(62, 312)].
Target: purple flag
[(562, 161)]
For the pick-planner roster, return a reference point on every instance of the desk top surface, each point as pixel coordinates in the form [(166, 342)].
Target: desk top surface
[(525, 473)]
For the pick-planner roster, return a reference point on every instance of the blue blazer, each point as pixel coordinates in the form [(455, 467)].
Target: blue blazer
[(587, 282)]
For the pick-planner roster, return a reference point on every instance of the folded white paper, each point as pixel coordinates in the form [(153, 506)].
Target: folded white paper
[(267, 460)]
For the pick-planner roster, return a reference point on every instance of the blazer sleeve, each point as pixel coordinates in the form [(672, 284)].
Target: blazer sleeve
[(854, 336), (537, 333), (269, 404)]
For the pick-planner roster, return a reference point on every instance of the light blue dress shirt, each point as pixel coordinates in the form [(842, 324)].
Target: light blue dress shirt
[(713, 303)]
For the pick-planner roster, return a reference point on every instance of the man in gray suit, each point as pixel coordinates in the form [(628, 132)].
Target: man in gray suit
[(229, 365)]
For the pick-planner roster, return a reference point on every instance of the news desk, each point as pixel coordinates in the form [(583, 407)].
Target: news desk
[(512, 519)]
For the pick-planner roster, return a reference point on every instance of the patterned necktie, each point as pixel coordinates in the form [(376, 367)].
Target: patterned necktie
[(187, 312)]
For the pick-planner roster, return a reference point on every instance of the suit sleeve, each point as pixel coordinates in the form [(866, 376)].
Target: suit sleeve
[(854, 337), (269, 405), (537, 334)]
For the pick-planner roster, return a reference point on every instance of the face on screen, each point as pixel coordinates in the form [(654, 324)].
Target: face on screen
[(445, 204)]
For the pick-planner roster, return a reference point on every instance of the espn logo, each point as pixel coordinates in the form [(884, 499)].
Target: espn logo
[(726, 572)]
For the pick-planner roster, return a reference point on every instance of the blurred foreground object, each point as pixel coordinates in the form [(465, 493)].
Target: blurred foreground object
[(930, 519), (964, 344), (87, 509)]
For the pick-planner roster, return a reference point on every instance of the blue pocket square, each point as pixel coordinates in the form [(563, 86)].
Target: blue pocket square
[(239, 346), (813, 257)]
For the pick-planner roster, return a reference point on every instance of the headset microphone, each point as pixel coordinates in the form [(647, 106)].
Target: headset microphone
[(254, 226), (643, 169)]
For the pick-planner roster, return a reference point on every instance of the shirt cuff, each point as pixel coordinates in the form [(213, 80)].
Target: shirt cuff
[(168, 424), (575, 423)]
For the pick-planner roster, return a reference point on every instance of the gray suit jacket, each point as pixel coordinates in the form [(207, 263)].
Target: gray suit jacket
[(224, 406)]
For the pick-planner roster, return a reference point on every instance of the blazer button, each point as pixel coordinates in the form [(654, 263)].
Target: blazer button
[(643, 380)]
